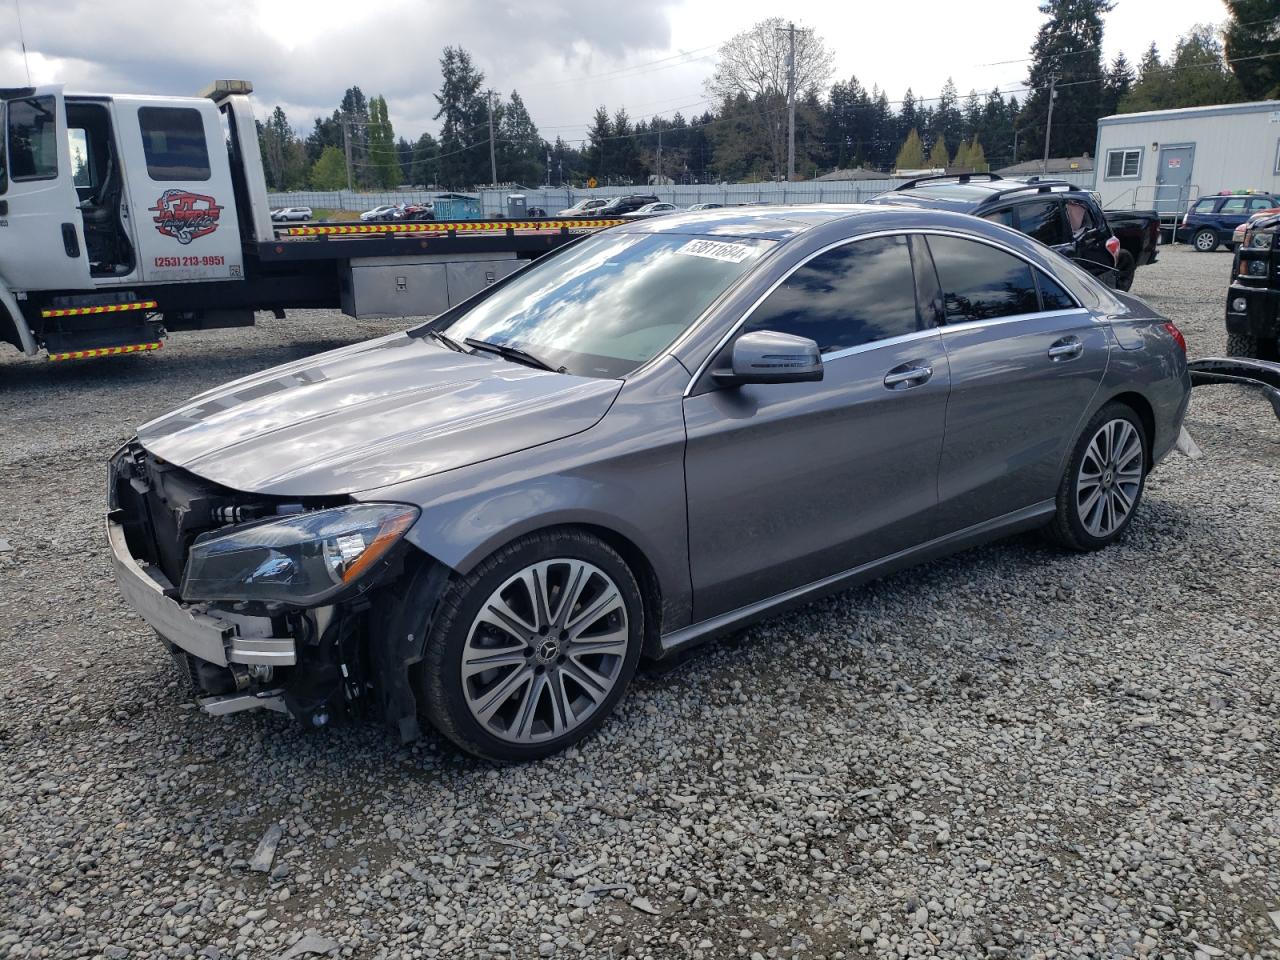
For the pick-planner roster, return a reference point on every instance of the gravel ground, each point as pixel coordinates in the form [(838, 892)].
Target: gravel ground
[(1011, 753)]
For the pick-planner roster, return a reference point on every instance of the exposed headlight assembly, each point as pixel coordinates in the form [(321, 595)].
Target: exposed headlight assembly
[(302, 560), (1260, 239)]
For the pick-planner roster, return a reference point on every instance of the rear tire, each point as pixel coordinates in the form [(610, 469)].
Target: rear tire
[(1103, 483), (530, 651), (1126, 267), (1206, 241)]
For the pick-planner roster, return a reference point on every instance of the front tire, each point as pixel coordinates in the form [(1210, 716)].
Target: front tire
[(1103, 482), (1206, 241), (1244, 345), (531, 651)]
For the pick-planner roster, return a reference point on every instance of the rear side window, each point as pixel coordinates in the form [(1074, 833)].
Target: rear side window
[(1003, 217), (1234, 205), (855, 294), (980, 282), (1079, 217), (1043, 221), (33, 139), (173, 143), (1052, 296)]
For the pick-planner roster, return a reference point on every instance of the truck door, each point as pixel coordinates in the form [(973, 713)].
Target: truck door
[(179, 183), (41, 237)]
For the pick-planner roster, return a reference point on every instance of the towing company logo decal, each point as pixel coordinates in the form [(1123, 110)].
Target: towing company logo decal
[(185, 216)]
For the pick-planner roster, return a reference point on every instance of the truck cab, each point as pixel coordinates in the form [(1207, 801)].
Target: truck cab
[(103, 197)]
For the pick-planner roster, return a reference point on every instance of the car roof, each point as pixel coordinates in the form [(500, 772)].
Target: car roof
[(785, 222)]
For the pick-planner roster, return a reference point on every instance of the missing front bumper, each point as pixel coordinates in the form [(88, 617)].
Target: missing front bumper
[(227, 643)]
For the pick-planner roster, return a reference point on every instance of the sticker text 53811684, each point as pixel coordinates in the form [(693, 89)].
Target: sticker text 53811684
[(210, 261)]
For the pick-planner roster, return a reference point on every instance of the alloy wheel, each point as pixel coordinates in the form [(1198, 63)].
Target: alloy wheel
[(1205, 241), (1110, 478), (545, 650)]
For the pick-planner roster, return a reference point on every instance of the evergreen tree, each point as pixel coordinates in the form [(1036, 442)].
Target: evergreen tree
[(424, 171), (404, 156), (384, 165), (330, 171), (1068, 47), (938, 156), (325, 133), (972, 115), (947, 123), (911, 156), (623, 151), (1252, 43), (464, 133), (908, 118), (354, 112), (519, 147), (884, 137), (595, 157), (1120, 80), (1194, 76)]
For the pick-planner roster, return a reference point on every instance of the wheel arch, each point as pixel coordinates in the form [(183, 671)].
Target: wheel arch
[(10, 311), (1141, 406)]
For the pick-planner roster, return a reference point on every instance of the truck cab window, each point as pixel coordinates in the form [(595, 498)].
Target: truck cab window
[(81, 158), (4, 167), (32, 129), (173, 143)]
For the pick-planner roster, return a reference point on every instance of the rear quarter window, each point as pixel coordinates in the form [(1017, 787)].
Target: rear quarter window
[(981, 282), (173, 143)]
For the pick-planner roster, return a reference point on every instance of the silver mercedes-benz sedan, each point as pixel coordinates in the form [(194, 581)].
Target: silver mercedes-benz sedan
[(657, 434)]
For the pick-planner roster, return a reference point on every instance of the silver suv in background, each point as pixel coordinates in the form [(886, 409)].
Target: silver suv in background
[(655, 435)]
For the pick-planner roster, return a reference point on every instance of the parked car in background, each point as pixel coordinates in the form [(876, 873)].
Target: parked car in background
[(1238, 234), (1058, 214), (617, 206), (657, 434), (706, 206), (583, 207), (649, 209), (1210, 222), (385, 211), (285, 214)]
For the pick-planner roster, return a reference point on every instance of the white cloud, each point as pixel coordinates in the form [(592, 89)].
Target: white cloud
[(565, 57)]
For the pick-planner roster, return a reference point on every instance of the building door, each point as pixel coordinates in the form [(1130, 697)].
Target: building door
[(1173, 180)]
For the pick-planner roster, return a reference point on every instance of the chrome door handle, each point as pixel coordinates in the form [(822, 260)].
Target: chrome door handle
[(1066, 350), (907, 376)]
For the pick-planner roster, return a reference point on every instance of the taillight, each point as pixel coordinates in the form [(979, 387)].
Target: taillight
[(1178, 338), (1113, 248), (1185, 216)]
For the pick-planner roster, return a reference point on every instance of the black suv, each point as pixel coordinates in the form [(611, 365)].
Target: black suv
[(1057, 213), (619, 205)]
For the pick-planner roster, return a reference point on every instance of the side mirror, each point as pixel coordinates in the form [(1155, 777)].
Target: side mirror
[(766, 356)]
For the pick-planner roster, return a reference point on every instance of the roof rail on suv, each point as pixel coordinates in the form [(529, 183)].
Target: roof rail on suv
[(1036, 185), (957, 177)]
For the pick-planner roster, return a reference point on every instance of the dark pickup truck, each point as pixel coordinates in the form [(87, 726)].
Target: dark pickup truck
[(1109, 245), (1253, 299)]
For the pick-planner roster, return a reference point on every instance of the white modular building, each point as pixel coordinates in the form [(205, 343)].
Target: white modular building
[(1165, 159)]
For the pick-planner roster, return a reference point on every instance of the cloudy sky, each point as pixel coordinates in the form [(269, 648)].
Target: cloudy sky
[(564, 56)]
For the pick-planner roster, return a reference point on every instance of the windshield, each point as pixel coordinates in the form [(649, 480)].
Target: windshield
[(610, 302)]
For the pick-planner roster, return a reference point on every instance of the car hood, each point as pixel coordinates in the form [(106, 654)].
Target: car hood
[(371, 415)]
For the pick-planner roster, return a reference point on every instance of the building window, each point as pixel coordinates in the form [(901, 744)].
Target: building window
[(1124, 164), (1277, 170)]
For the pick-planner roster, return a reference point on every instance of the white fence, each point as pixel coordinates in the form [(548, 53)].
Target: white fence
[(554, 199)]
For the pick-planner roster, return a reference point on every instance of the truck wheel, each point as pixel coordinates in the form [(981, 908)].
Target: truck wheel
[(1125, 270), (1206, 241), (531, 650), (1243, 345), (1102, 486)]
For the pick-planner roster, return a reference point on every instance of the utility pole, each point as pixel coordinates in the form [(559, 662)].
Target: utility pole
[(659, 181), (548, 168), (1048, 124), (791, 104), (493, 157), (346, 148)]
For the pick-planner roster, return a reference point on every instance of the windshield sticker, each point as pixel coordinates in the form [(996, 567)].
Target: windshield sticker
[(717, 250)]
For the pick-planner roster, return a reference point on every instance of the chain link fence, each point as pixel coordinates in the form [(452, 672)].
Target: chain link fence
[(555, 199)]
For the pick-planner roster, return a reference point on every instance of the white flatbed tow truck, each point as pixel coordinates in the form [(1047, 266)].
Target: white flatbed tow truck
[(123, 217)]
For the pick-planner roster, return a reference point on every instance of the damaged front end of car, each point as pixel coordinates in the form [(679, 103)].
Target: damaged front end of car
[(269, 602)]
